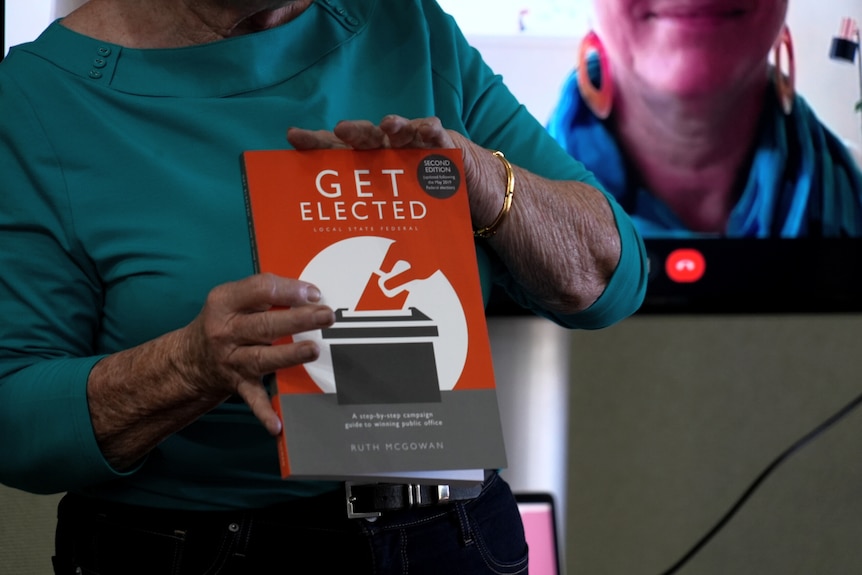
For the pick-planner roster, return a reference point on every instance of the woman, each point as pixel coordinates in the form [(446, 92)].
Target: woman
[(135, 332), (677, 110)]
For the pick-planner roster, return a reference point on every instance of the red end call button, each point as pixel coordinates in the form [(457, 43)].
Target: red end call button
[(685, 265)]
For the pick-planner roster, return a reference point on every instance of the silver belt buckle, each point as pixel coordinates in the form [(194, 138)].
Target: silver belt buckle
[(351, 514)]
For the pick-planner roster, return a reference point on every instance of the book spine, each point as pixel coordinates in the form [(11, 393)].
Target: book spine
[(250, 218)]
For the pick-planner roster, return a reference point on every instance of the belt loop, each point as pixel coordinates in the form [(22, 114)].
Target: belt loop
[(466, 529), (242, 541)]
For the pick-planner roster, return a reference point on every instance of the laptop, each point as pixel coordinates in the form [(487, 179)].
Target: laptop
[(539, 515)]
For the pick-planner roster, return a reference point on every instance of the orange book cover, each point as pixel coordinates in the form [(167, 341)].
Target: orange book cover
[(404, 386)]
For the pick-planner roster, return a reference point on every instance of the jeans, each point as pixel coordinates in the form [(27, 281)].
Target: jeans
[(312, 535)]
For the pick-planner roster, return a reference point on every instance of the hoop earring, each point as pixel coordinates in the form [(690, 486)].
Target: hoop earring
[(785, 84), (599, 100)]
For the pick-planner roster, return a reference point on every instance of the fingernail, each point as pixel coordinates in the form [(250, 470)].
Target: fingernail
[(309, 353), (275, 426), (323, 317), (312, 294)]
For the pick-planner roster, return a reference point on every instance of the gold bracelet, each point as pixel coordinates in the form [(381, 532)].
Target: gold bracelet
[(491, 228)]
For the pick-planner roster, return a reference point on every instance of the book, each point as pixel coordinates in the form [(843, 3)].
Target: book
[(404, 386)]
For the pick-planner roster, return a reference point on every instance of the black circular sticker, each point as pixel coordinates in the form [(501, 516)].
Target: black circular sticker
[(438, 176)]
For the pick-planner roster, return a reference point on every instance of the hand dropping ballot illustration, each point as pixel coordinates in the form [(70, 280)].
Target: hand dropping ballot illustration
[(404, 382), (384, 345)]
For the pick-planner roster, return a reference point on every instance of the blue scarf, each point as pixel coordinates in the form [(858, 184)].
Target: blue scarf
[(802, 181)]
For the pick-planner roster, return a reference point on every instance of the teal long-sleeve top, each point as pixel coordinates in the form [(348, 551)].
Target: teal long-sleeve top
[(122, 206)]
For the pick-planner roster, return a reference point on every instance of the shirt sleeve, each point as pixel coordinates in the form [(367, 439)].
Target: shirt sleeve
[(48, 294)]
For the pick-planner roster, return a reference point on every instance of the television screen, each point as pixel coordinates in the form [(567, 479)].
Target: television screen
[(769, 256)]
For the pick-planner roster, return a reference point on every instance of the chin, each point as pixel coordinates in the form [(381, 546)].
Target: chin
[(691, 88), (692, 79)]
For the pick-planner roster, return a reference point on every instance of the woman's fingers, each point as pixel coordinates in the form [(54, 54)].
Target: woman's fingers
[(417, 133), (244, 332), (257, 398), (314, 140), (393, 132), (361, 135)]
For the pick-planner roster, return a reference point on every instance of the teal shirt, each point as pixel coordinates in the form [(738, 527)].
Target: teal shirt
[(121, 207)]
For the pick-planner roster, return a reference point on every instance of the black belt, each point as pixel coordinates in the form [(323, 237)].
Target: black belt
[(372, 499)]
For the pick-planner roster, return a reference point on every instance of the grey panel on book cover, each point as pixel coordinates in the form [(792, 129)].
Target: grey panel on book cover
[(376, 360), (462, 431)]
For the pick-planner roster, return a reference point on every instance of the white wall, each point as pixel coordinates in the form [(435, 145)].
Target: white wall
[(25, 19), (531, 365), (831, 87)]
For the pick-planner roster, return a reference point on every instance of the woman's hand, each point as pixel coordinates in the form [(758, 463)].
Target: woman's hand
[(398, 132), (559, 240), (140, 396), (234, 341)]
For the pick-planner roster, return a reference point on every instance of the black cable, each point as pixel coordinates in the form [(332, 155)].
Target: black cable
[(760, 478)]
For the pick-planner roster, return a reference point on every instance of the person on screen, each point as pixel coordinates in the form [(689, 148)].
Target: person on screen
[(135, 333), (677, 110)]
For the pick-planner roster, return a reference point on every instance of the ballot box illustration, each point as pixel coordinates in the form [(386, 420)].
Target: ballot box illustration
[(381, 357)]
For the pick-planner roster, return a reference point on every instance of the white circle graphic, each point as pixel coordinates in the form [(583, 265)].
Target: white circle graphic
[(343, 270)]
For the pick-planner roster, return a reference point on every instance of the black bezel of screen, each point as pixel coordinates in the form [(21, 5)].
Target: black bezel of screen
[(2, 29), (750, 276)]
